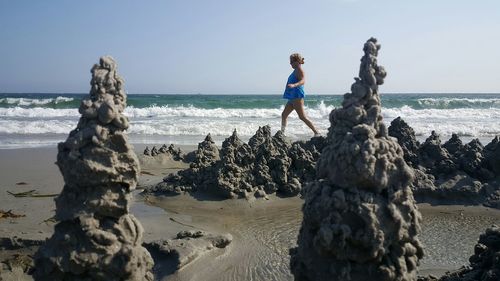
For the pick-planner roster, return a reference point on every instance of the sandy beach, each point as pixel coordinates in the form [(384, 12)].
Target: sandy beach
[(262, 230), (336, 140)]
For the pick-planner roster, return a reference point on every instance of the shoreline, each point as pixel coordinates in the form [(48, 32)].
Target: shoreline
[(189, 143)]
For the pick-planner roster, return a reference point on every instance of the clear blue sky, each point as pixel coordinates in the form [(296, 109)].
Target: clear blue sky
[(243, 46)]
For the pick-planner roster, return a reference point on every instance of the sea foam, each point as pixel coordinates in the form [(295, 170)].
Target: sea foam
[(27, 102), (453, 103), (191, 123)]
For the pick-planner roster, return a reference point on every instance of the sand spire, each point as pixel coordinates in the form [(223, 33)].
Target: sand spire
[(360, 219), (96, 238)]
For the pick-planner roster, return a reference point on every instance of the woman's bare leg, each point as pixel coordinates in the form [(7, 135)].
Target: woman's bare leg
[(284, 115), (298, 105)]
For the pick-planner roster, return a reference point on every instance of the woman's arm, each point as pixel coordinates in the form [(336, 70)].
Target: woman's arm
[(300, 76)]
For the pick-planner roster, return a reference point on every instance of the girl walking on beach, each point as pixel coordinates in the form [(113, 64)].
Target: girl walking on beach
[(294, 92)]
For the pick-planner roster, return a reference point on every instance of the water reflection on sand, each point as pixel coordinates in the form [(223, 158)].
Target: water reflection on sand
[(264, 231)]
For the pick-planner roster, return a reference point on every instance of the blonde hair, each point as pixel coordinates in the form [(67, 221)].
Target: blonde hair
[(297, 57)]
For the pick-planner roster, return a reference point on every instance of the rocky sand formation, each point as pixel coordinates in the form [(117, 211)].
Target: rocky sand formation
[(445, 173), (360, 219), (453, 172), (175, 153), (96, 238), (266, 165)]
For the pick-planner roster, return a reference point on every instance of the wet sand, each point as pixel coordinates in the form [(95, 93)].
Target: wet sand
[(449, 234), (23, 170), (262, 230)]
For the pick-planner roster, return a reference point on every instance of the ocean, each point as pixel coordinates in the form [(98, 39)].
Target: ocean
[(32, 120)]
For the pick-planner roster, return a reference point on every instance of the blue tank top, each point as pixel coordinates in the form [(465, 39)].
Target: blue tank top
[(293, 93)]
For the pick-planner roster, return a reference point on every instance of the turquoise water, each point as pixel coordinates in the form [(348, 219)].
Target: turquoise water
[(45, 119), (414, 101)]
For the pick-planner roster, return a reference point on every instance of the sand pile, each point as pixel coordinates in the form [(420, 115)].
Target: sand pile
[(189, 245), (453, 172), (360, 219), (96, 238), (406, 139), (164, 156), (266, 165), (171, 151)]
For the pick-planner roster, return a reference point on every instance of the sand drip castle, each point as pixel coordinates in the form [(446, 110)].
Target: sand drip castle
[(360, 219), (451, 172), (96, 238), (266, 165)]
